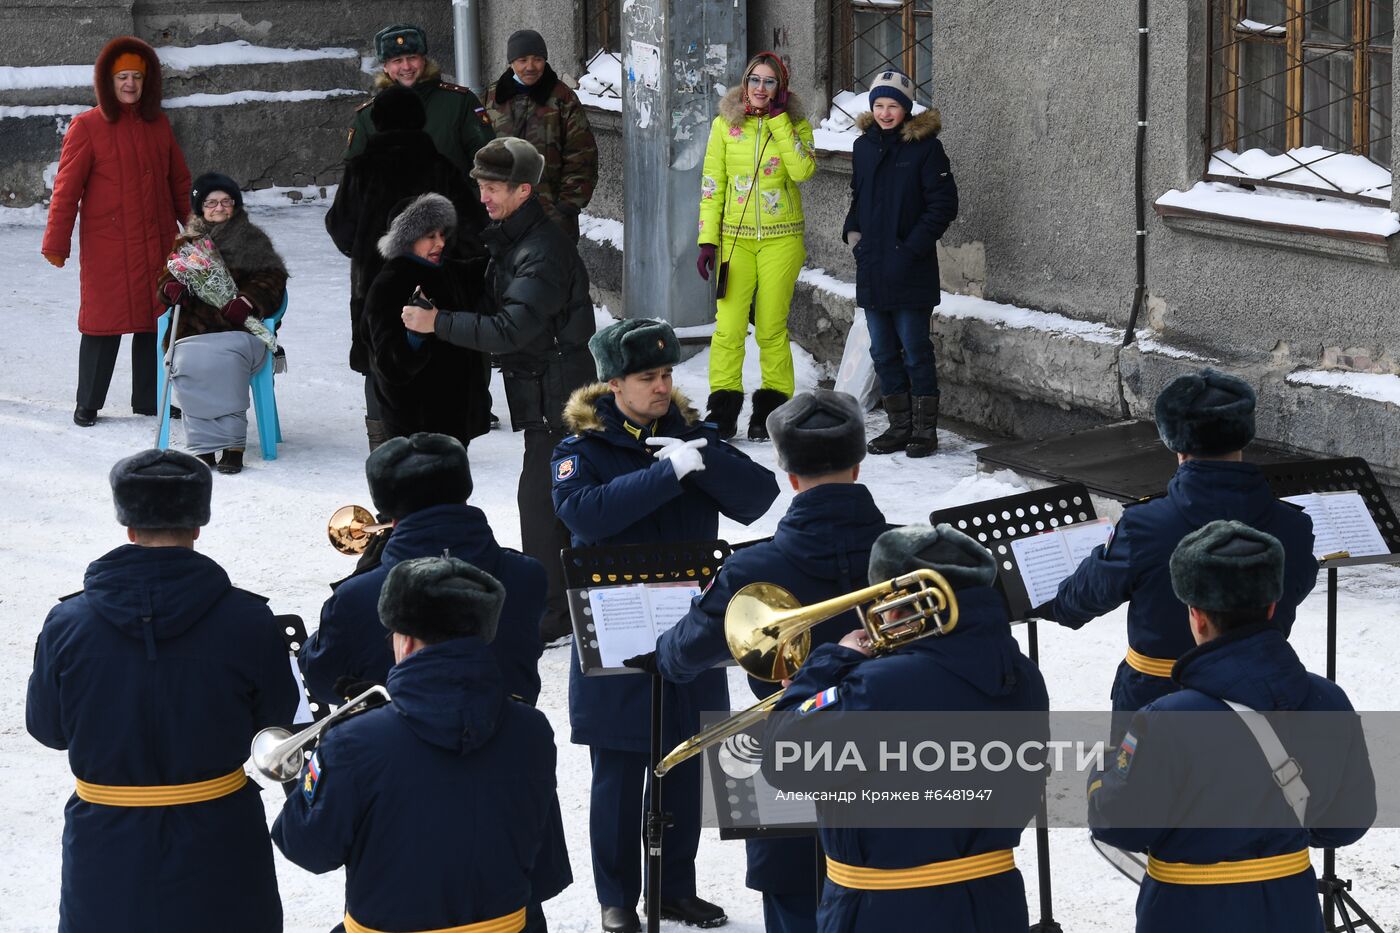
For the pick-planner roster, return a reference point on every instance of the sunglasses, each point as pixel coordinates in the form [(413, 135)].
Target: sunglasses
[(219, 202), (768, 84)]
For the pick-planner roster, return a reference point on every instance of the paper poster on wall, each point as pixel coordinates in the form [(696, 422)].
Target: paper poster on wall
[(645, 67)]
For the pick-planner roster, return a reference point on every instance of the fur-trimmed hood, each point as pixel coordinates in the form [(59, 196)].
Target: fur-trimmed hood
[(581, 411), (149, 105), (432, 71), (242, 244), (422, 215), (925, 125), (731, 107)]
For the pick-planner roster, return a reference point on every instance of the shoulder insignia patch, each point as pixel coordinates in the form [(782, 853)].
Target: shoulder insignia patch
[(363, 106), (1125, 754), (565, 468), (350, 138), (312, 779), (827, 697), (64, 599), (483, 116)]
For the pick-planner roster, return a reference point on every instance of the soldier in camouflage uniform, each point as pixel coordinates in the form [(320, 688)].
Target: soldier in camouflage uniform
[(529, 101), (457, 122)]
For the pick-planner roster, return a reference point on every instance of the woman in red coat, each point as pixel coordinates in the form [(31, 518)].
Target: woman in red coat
[(123, 171)]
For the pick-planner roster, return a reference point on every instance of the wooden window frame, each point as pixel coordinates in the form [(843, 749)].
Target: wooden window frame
[(845, 39)]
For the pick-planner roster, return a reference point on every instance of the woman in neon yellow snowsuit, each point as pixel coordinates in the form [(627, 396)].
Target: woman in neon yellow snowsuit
[(760, 149)]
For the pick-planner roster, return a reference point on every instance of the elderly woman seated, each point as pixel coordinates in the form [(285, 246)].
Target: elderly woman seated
[(215, 354)]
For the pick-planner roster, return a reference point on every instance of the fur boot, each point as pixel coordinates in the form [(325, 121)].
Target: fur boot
[(724, 406), (764, 403)]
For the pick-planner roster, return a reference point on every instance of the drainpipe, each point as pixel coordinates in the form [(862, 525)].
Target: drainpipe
[(1139, 207), (466, 41)]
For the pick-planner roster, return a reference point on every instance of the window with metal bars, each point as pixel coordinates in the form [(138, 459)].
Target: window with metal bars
[(602, 26), (1300, 95), (870, 36)]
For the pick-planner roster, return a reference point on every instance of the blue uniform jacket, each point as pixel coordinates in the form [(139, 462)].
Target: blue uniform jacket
[(1256, 667), (160, 672), (352, 642), (820, 550), (975, 667), (610, 489), (439, 804), (1134, 566)]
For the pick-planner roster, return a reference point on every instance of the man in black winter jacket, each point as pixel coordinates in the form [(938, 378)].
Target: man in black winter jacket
[(535, 320)]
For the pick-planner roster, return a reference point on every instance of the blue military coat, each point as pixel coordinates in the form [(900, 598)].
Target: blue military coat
[(1258, 668), (1134, 566), (160, 672), (821, 550), (610, 489), (440, 804), (975, 667), (352, 642)]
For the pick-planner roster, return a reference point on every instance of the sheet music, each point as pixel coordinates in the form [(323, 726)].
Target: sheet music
[(669, 604), (1341, 522), (1048, 558), (303, 709), (1083, 538), (629, 619)]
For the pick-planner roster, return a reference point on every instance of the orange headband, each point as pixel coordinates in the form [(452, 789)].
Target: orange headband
[(129, 61)]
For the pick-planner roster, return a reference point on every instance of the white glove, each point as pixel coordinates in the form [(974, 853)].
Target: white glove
[(684, 456)]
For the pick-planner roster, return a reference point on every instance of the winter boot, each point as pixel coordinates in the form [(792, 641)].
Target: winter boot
[(231, 462), (923, 440), (208, 460), (376, 432), (765, 401), (896, 437), (724, 406)]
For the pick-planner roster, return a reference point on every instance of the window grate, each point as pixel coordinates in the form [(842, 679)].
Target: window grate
[(602, 27), (871, 36)]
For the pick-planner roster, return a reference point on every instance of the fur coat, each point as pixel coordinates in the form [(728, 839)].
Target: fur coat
[(258, 272)]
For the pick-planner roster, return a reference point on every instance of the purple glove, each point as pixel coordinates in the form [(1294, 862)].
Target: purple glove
[(706, 263), (172, 292), (778, 104), (237, 311)]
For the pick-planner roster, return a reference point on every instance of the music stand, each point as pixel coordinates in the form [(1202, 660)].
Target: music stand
[(624, 565), (995, 523), (1338, 475)]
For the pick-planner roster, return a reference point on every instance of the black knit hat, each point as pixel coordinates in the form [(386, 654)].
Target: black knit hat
[(437, 598), (398, 108), (524, 42), (161, 489), (210, 182), (1227, 566), (962, 561), (509, 159), (410, 473), (400, 39), (1206, 414), (633, 346), (818, 432)]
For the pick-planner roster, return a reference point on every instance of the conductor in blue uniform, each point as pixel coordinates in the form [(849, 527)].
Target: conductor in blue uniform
[(641, 467), (439, 804), (821, 550), (155, 678), (423, 483), (1222, 880), (882, 879), (1207, 418)]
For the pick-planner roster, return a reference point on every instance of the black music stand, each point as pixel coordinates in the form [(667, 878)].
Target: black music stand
[(294, 635), (995, 523), (624, 565), (1339, 475)]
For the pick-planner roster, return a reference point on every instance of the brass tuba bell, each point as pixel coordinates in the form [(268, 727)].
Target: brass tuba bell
[(352, 527)]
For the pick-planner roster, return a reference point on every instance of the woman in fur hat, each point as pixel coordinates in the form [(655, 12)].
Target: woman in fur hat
[(420, 382), (751, 225), (215, 354), (122, 170)]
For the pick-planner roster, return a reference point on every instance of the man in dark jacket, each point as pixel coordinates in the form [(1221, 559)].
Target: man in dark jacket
[(1207, 418), (820, 551), (439, 804), (1183, 772), (640, 468), (535, 320), (155, 678), (529, 101), (422, 484), (973, 666)]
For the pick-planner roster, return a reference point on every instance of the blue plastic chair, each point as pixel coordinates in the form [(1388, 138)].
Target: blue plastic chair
[(264, 398)]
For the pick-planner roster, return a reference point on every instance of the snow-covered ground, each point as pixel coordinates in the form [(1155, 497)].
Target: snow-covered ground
[(268, 530)]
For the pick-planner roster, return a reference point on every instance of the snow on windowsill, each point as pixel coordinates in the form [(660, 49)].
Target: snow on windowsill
[(601, 230), (189, 100), (1309, 166), (1288, 208), (177, 58), (600, 86), (1379, 387)]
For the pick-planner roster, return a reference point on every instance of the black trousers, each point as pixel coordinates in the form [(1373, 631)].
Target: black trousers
[(97, 357), (542, 534)]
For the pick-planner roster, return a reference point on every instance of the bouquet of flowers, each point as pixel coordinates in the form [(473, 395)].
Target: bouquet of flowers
[(197, 265)]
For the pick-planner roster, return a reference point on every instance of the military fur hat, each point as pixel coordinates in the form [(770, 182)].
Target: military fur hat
[(161, 489), (962, 561), (818, 432), (398, 108), (633, 346), (1206, 414), (1227, 566), (416, 219), (210, 182), (437, 598), (410, 473), (509, 159), (400, 39)]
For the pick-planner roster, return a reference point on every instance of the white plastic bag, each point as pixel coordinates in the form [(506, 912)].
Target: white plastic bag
[(856, 374)]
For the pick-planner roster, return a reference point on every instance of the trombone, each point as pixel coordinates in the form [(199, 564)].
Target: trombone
[(277, 754), (770, 634), (351, 528)]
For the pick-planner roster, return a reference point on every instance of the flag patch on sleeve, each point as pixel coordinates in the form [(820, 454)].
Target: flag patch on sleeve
[(313, 777), (565, 468), (820, 700), (1125, 754)]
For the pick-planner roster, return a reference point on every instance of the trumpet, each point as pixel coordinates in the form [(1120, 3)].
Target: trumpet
[(770, 634), (278, 755), (351, 527)]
